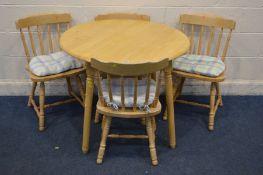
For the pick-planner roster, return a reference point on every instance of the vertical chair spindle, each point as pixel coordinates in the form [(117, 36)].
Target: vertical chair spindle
[(110, 87), (191, 39), (100, 89), (58, 33), (50, 38), (200, 40), (135, 93), (148, 86), (122, 93), (32, 41), (210, 40), (25, 45), (226, 45), (218, 42), (42, 50)]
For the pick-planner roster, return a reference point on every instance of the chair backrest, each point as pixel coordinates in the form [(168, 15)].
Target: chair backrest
[(42, 30), (132, 16), (206, 33), (132, 73)]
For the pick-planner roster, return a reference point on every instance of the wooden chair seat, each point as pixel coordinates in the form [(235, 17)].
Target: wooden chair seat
[(220, 78), (128, 113), (72, 72)]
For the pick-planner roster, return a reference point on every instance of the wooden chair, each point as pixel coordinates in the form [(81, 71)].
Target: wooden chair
[(38, 28), (131, 16), (212, 31), (117, 99)]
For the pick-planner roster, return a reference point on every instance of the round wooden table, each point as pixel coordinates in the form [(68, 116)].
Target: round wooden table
[(129, 42)]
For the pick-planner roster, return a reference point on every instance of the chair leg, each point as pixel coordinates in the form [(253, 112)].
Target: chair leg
[(177, 90), (69, 86), (31, 96), (143, 121), (212, 107), (103, 121), (180, 87), (219, 94), (153, 123), (97, 117), (80, 86), (41, 106), (104, 136), (151, 136)]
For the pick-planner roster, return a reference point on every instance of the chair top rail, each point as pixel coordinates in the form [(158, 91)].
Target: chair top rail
[(207, 20), (129, 69), (132, 16), (43, 19)]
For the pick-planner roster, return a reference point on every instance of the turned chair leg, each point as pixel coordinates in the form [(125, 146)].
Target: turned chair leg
[(80, 86), (219, 94), (177, 91), (41, 106), (212, 107), (103, 121), (153, 123), (151, 136), (97, 117), (143, 121), (104, 136), (32, 94)]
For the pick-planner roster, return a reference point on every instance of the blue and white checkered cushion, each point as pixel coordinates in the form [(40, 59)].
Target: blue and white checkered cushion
[(200, 64), (128, 91), (54, 63)]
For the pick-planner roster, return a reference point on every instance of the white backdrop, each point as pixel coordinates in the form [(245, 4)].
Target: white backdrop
[(245, 57)]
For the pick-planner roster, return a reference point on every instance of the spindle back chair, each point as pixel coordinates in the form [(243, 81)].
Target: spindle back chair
[(210, 30), (131, 16), (39, 31), (209, 35), (133, 107)]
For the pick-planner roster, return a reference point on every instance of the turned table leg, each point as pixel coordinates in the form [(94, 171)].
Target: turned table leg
[(170, 105), (88, 108)]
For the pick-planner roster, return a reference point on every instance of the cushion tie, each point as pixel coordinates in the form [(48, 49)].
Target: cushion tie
[(113, 105), (145, 108)]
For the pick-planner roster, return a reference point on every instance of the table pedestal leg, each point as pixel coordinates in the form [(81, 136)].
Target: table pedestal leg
[(170, 105), (88, 108)]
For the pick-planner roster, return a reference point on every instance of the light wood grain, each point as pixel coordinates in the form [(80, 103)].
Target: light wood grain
[(124, 41)]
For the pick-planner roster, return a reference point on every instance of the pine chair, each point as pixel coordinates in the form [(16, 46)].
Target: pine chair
[(124, 95), (37, 32), (131, 16), (205, 59)]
